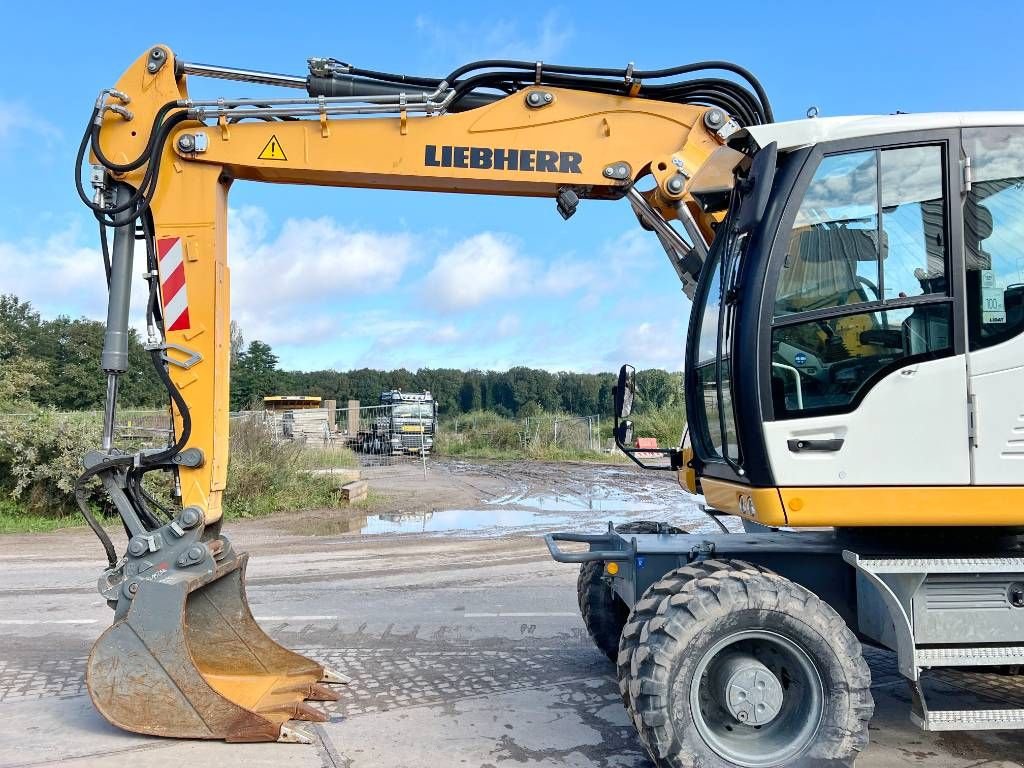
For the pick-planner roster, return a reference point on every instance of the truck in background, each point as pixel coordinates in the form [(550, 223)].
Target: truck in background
[(404, 422)]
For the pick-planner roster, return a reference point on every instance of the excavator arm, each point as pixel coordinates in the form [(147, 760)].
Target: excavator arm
[(163, 164)]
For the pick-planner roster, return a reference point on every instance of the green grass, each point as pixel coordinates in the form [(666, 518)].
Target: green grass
[(323, 457), (487, 435), (667, 424), (16, 519)]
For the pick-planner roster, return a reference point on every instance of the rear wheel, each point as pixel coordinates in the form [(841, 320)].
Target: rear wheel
[(604, 612), (741, 668)]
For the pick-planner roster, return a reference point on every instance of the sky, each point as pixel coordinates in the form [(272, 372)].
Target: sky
[(387, 279)]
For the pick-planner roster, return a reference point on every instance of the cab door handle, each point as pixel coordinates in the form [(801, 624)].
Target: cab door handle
[(821, 446)]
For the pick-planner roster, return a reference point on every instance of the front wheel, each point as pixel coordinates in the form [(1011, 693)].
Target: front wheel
[(604, 612), (748, 669)]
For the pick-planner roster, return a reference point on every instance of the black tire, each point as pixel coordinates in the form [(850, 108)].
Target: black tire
[(604, 612), (823, 722), (647, 607)]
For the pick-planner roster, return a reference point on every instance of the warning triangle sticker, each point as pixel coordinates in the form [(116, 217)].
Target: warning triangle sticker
[(272, 151)]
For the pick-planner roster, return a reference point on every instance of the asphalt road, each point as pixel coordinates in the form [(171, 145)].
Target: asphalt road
[(465, 643)]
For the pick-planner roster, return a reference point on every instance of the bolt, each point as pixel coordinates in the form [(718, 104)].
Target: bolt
[(156, 53), (548, 98), (1017, 595), (189, 517), (132, 588), (714, 118), (186, 142), (196, 553), (151, 67), (675, 185), (137, 547), (609, 171), (534, 99)]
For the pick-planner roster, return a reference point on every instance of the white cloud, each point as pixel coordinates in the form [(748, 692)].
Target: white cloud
[(310, 260), (489, 267), (651, 344), (19, 123), (496, 38), (61, 277), (508, 325), (481, 268)]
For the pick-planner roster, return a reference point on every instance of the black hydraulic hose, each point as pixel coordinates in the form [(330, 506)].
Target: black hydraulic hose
[(83, 502), (652, 74), (148, 183), (144, 157), (105, 249), (725, 94), (186, 418)]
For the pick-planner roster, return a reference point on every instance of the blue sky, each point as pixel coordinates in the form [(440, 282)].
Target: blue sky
[(408, 279)]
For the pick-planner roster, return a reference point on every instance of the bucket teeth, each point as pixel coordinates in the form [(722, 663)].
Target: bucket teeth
[(304, 711), (318, 692), (300, 710), (330, 676), (294, 736)]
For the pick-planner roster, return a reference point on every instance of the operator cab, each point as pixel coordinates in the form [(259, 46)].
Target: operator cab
[(864, 291)]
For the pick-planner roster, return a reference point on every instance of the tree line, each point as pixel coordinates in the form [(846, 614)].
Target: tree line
[(60, 357)]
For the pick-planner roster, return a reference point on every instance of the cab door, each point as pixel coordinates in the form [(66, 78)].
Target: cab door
[(868, 373), (994, 250)]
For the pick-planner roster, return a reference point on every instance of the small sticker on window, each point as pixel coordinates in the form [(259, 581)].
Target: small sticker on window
[(993, 303)]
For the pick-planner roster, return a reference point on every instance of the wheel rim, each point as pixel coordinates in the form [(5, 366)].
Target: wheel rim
[(757, 699)]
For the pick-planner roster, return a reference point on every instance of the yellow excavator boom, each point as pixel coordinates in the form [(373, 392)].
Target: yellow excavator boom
[(184, 656)]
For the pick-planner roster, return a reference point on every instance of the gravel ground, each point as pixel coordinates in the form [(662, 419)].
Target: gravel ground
[(462, 636)]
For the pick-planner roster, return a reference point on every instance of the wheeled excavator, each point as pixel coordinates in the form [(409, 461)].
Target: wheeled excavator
[(854, 387)]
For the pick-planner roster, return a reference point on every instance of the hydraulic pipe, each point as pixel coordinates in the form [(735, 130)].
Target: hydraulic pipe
[(114, 358)]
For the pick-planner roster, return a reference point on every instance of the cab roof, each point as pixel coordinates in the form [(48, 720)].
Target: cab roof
[(802, 133)]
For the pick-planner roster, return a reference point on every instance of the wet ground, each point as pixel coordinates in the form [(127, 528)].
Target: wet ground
[(462, 636)]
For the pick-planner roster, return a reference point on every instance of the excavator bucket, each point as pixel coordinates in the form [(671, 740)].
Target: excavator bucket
[(187, 659)]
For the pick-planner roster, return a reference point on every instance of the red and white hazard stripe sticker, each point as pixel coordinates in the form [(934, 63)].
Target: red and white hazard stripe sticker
[(172, 283)]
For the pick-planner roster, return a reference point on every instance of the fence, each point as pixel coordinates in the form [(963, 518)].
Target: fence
[(385, 435)]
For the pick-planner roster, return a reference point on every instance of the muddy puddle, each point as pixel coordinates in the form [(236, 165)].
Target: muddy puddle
[(508, 500)]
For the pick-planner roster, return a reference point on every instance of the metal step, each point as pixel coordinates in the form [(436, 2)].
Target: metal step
[(987, 656), (924, 565), (971, 720)]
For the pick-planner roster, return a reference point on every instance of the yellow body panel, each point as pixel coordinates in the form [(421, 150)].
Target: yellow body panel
[(874, 506), (730, 497), (904, 505)]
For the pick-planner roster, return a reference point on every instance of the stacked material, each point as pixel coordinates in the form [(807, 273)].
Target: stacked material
[(306, 425)]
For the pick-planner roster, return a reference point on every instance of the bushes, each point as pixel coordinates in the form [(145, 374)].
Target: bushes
[(41, 452), (266, 476), (666, 423), (40, 457), (486, 434)]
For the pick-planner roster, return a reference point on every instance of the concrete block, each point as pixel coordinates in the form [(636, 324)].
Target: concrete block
[(354, 491)]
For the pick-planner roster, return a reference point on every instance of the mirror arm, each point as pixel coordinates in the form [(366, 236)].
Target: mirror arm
[(675, 455)]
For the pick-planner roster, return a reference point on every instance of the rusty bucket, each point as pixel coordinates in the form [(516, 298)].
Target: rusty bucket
[(185, 658)]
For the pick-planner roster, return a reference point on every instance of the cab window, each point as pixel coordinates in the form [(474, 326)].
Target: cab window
[(994, 235), (863, 285)]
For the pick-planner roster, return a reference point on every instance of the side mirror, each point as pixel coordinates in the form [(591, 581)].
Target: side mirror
[(624, 433), (625, 391), (757, 187)]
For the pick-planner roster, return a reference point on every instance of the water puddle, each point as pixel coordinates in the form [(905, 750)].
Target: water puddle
[(607, 502), (470, 522), (579, 505)]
